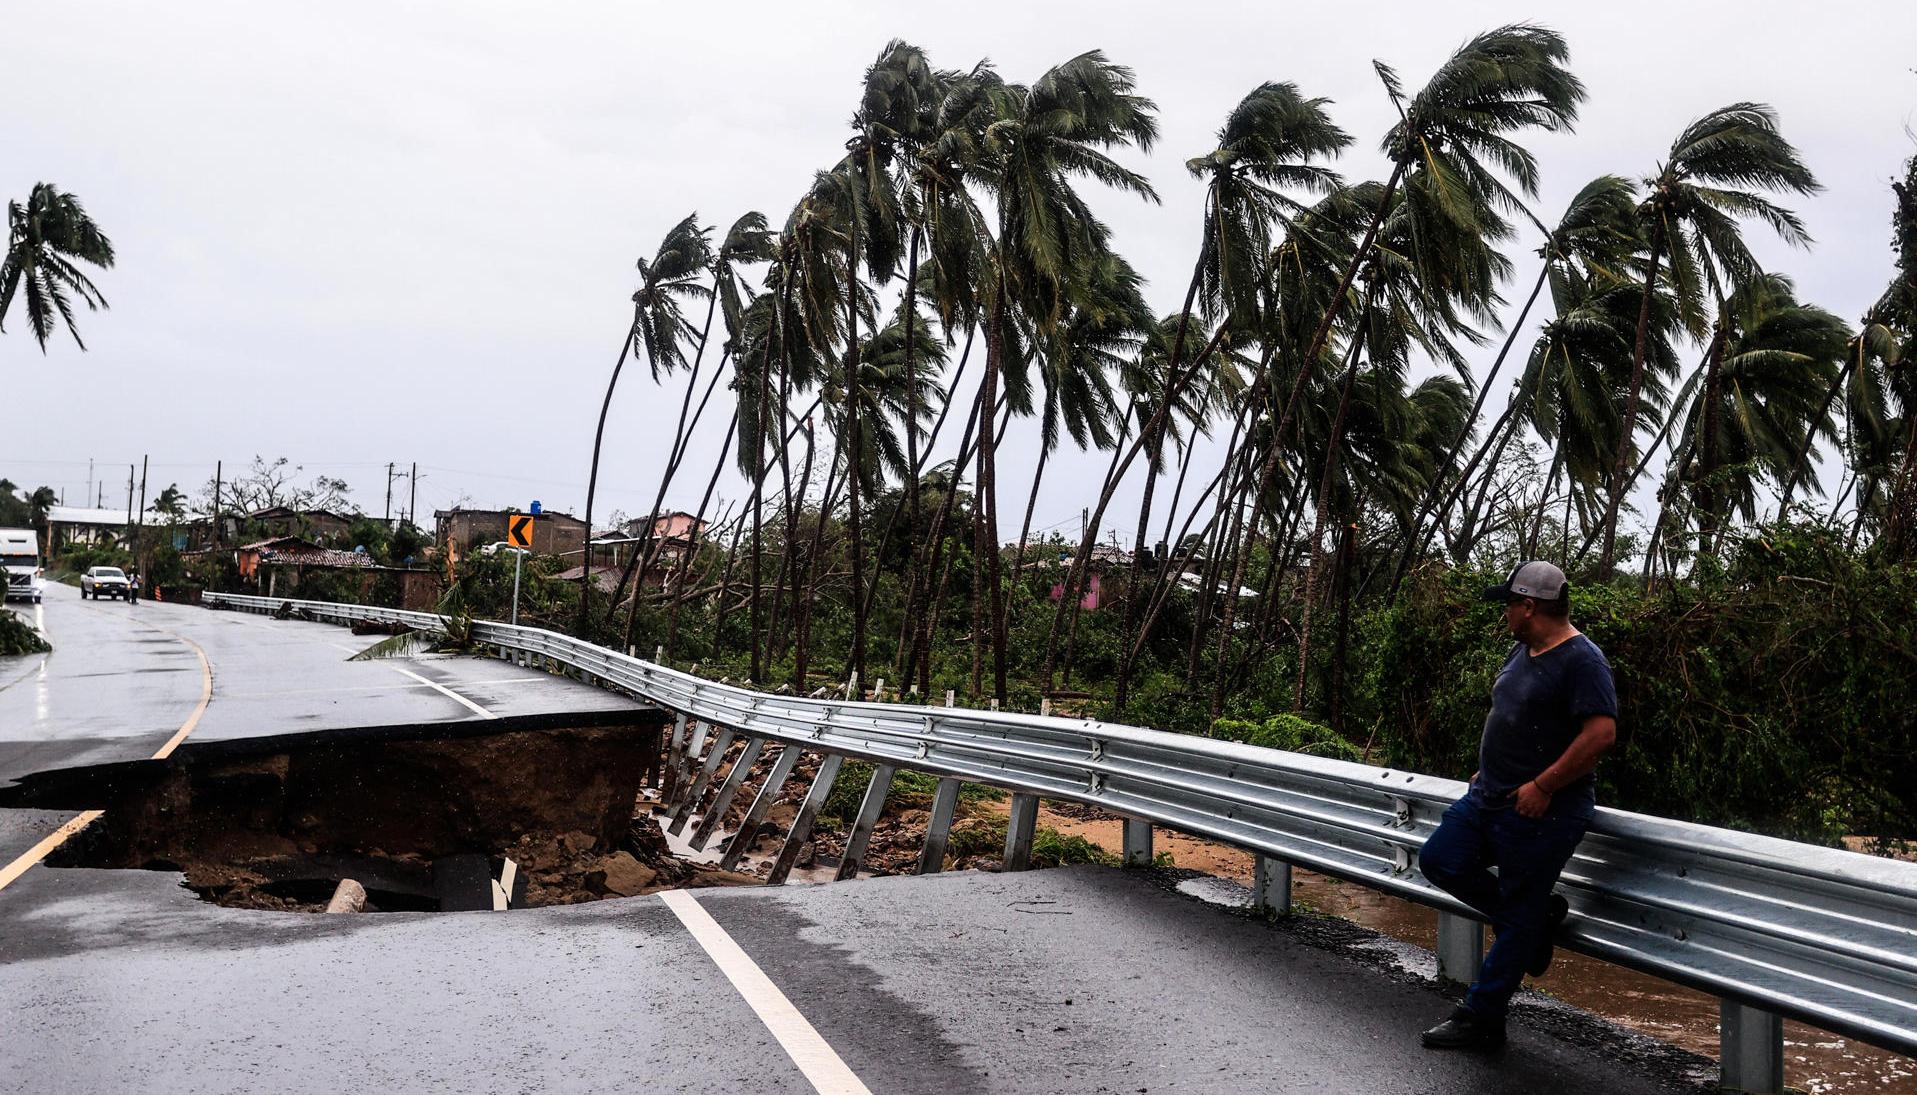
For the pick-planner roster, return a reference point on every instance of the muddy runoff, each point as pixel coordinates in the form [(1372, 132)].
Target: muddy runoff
[(423, 817)]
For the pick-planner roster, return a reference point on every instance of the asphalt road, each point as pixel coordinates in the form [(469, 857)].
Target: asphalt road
[(1080, 980), (124, 680)]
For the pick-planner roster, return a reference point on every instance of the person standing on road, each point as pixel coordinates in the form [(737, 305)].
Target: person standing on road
[(1553, 714), (132, 587)]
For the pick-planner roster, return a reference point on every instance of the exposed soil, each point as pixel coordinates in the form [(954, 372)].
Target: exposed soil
[(423, 821)]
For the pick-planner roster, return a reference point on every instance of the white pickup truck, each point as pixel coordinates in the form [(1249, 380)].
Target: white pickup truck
[(20, 554)]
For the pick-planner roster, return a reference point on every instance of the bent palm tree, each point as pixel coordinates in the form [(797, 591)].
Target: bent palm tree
[(657, 324), (45, 237), (1709, 181)]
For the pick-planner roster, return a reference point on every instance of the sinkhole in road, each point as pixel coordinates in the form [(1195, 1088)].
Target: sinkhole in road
[(422, 816)]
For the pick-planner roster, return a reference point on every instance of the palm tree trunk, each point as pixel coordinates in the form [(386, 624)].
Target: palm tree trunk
[(754, 625), (1707, 492), (692, 547), (796, 507), (1618, 482), (911, 389), (1031, 503), (985, 539), (1435, 488), (855, 458), (1075, 579), (1550, 482), (919, 576), (592, 478), (1801, 466), (1325, 484), (925, 619), (1341, 643)]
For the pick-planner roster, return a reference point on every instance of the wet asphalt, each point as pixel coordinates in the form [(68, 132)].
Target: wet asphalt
[(1079, 980)]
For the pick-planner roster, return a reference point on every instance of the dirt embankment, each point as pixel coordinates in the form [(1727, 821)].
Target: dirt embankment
[(279, 829)]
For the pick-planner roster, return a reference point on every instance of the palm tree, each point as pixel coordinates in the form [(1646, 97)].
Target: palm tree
[(1598, 232), (1037, 141), (1269, 140), (747, 241), (45, 237), (1455, 134), (1572, 388), (1770, 362), (658, 323), (1709, 181)]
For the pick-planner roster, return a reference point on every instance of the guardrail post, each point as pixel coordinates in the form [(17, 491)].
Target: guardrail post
[(715, 814), (669, 782), (1750, 1049), (1018, 832), (1270, 886), (695, 749), (801, 830), (683, 812), (1460, 948), (944, 805), (1138, 843), (749, 828), (869, 809)]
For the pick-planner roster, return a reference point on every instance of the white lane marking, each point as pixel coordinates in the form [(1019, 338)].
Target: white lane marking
[(434, 685), (437, 687), (231, 695), (822, 1066)]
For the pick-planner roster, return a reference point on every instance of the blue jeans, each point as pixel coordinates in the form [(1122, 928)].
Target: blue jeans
[(1528, 853)]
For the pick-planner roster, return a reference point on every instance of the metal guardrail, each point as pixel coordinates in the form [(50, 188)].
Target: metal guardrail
[(1775, 927)]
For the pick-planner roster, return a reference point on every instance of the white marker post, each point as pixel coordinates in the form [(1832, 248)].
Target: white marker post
[(519, 558)]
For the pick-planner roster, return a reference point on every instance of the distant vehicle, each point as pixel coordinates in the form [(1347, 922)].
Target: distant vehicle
[(20, 554), (100, 582), (502, 546)]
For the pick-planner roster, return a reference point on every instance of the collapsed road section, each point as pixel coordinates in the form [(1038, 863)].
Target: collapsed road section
[(513, 812)]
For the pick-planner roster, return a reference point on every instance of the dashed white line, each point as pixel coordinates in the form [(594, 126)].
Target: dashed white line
[(823, 1067)]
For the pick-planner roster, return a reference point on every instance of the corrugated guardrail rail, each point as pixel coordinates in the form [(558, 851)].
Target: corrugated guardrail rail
[(1817, 934)]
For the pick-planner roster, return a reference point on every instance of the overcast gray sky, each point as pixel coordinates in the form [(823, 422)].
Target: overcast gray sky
[(357, 233)]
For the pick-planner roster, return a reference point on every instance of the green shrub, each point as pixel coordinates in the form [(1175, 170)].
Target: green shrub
[(17, 638), (1290, 733)]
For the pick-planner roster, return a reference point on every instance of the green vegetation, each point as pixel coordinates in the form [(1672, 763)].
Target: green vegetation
[(943, 282), (18, 638), (46, 236)]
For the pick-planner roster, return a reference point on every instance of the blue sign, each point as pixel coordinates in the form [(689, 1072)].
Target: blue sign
[(535, 507)]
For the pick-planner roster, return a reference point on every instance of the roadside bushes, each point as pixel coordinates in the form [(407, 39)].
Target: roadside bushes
[(1288, 732), (17, 638)]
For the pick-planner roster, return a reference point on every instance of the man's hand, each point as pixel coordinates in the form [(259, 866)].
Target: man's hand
[(1533, 800)]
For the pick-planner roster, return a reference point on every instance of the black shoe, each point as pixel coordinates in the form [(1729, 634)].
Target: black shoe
[(1465, 1030), (1560, 908)]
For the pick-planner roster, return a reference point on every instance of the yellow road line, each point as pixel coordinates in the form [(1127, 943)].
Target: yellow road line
[(60, 836), (41, 850)]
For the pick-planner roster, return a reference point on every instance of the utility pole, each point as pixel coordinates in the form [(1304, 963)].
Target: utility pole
[(139, 541), (89, 478), (129, 501), (389, 494), (412, 495), (217, 469)]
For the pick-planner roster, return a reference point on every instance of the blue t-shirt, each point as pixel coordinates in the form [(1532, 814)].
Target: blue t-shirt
[(1538, 707)]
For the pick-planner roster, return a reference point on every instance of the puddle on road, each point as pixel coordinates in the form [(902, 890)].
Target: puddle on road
[(422, 817)]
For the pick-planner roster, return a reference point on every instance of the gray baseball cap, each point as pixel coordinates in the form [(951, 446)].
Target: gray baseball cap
[(1536, 578)]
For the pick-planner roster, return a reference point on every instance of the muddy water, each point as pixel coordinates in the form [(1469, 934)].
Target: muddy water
[(1815, 1061)]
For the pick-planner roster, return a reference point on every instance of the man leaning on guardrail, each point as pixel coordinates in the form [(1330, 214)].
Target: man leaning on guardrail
[(1553, 714)]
